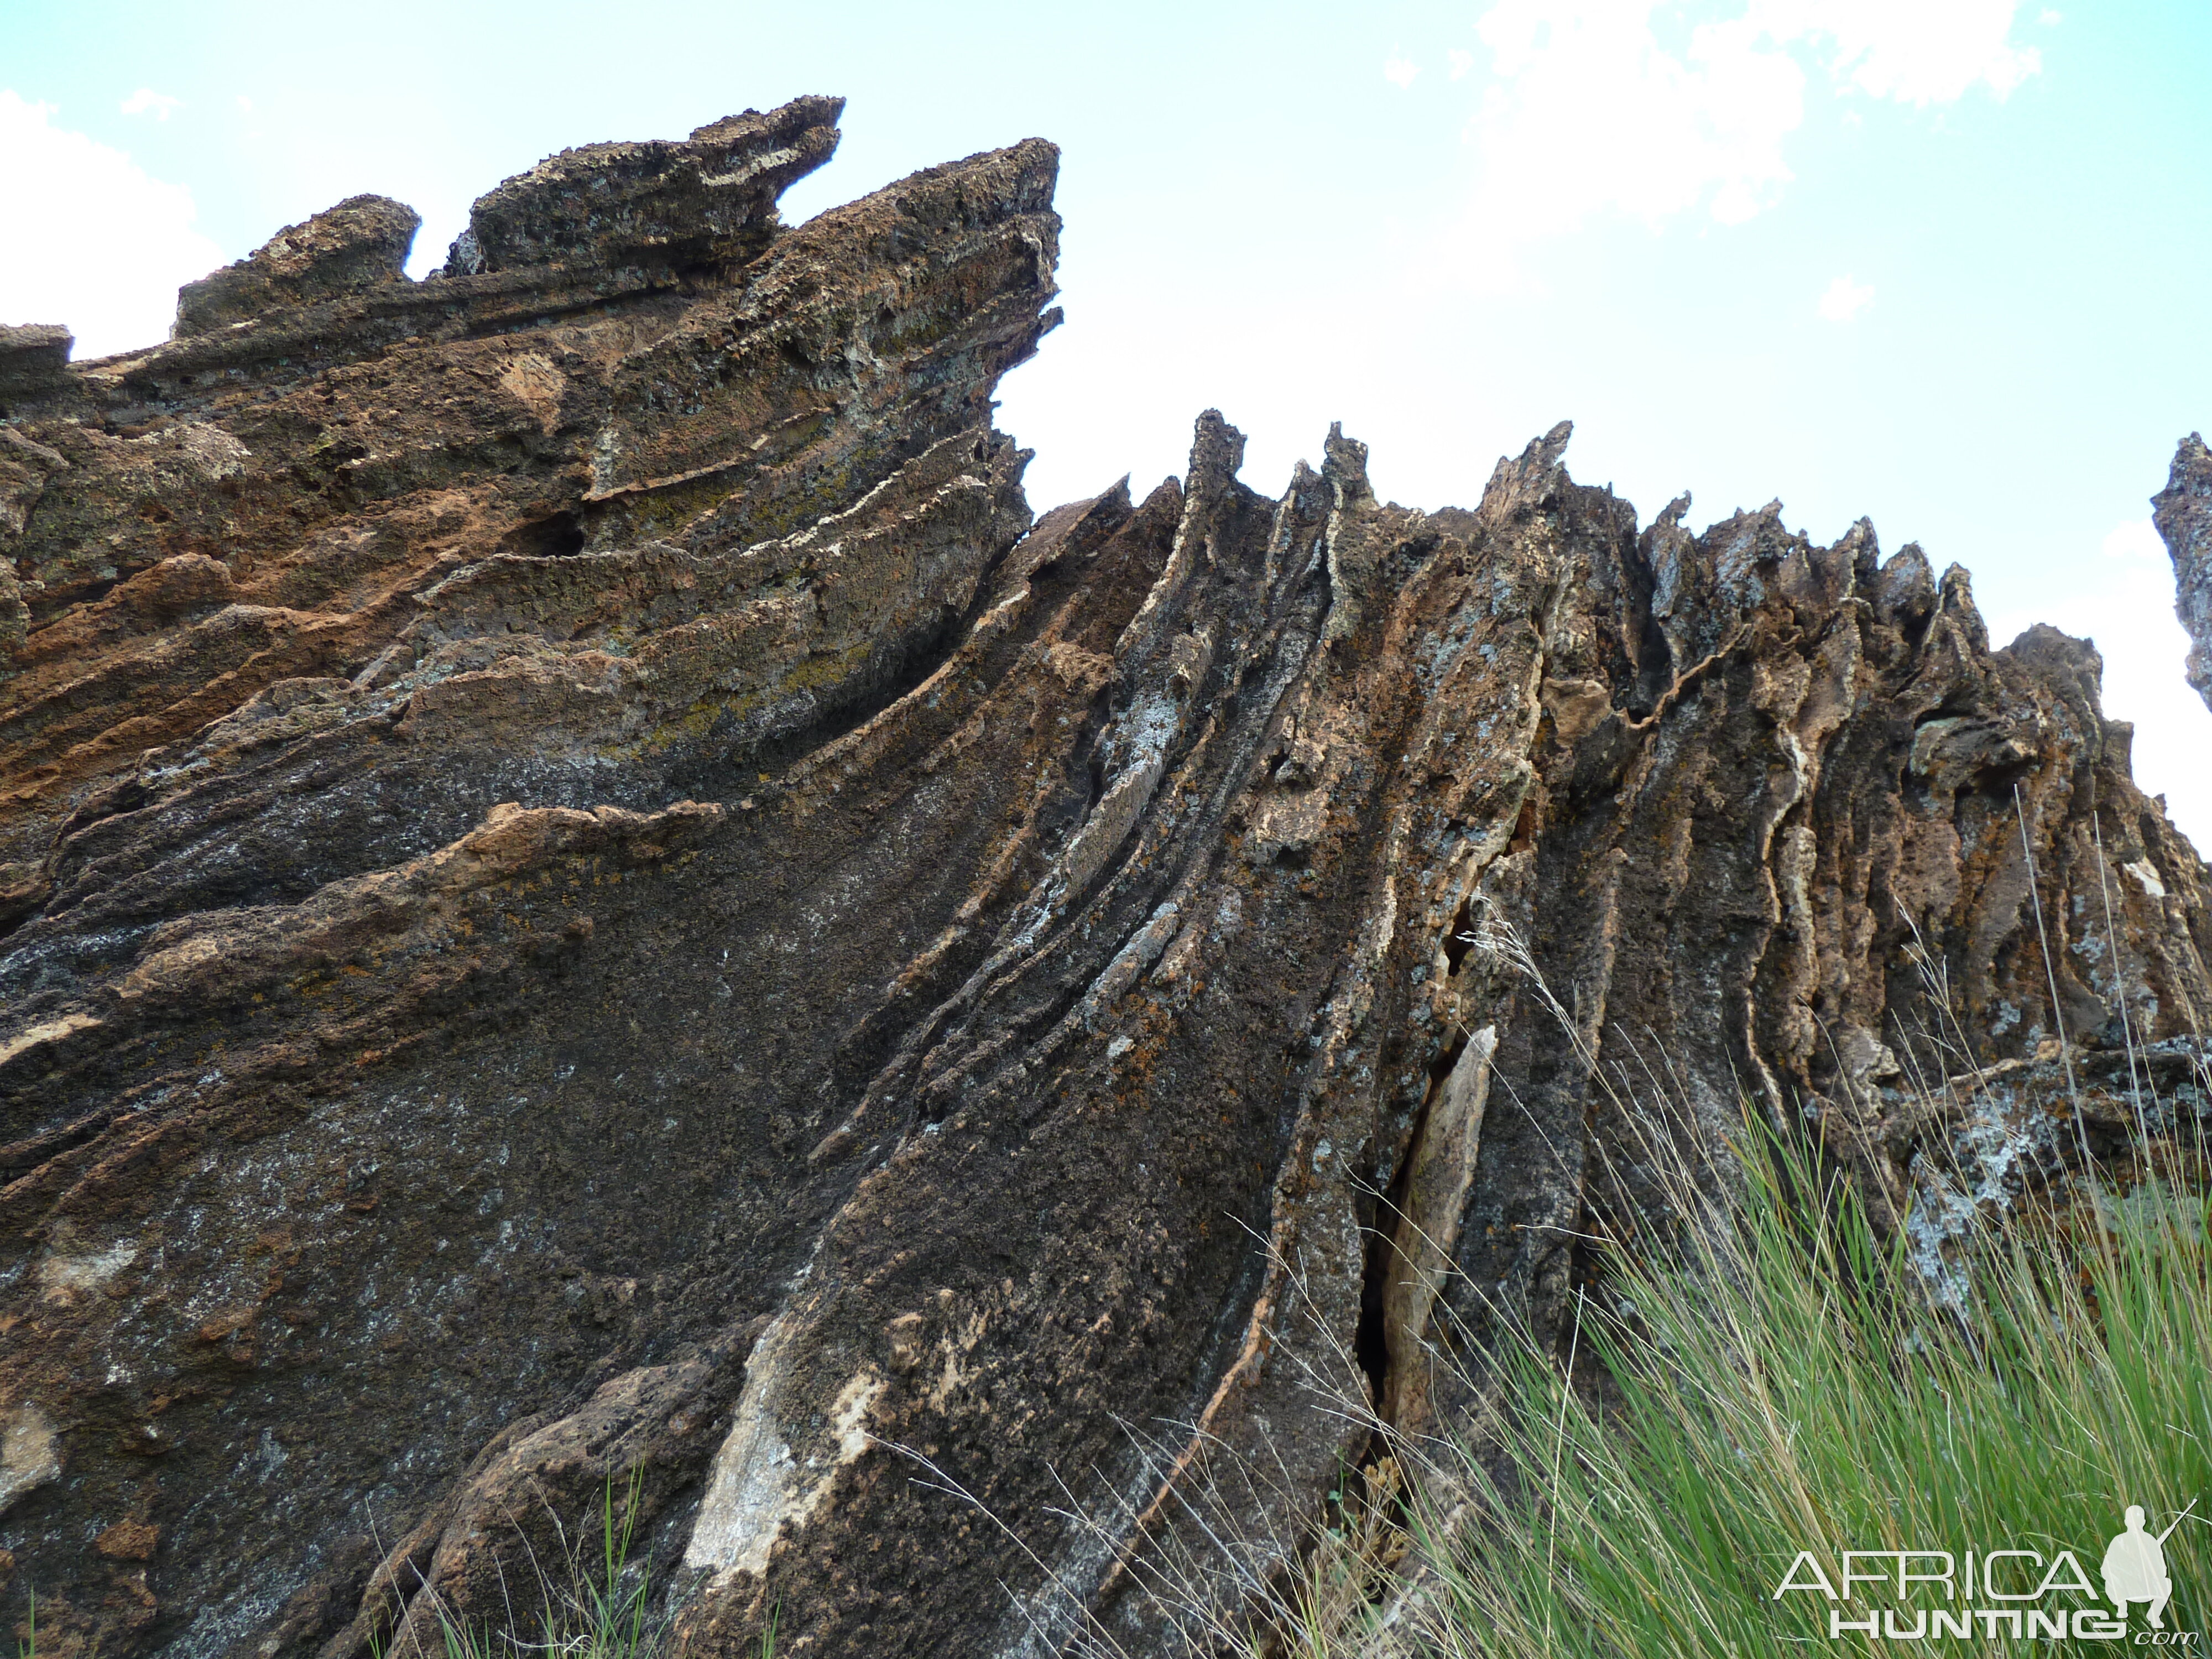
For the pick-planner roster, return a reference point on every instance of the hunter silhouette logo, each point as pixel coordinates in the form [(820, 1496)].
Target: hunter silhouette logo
[(2134, 1566), (2021, 1593)]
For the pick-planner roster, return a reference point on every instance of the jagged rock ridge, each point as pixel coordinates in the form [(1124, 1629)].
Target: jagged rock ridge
[(588, 893)]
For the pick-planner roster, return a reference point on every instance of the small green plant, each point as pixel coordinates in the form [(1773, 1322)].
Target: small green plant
[(593, 1604), (607, 1609)]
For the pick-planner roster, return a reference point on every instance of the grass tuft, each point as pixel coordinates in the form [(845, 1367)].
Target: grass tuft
[(596, 1603), (1776, 1380)]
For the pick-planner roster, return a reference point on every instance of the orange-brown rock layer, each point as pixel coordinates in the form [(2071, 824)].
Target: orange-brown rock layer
[(587, 897)]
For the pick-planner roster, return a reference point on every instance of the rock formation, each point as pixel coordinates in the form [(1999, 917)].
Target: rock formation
[(588, 895), (2182, 513)]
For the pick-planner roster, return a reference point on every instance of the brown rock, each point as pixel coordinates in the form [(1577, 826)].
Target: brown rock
[(128, 1540), (590, 898), (33, 357), (2182, 513), (360, 243), (710, 198)]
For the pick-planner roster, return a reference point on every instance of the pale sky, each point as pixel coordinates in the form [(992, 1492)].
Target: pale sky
[(1942, 263)]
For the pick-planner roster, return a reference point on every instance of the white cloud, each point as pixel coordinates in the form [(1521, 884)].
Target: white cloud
[(1913, 52), (2136, 540), (1844, 299), (2128, 611), (92, 241), (1587, 112), (1461, 63), (1400, 69), (146, 101), (245, 104), (1650, 111)]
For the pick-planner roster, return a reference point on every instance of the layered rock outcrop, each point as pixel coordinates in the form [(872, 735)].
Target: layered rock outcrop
[(590, 897)]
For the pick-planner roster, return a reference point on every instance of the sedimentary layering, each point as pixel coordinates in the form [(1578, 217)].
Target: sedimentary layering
[(588, 895)]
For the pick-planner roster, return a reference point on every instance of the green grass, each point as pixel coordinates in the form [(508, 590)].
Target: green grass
[(595, 1604), (597, 1610), (1780, 1383)]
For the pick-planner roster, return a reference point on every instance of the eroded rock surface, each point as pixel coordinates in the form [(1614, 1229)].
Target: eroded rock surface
[(588, 895), (2182, 513)]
